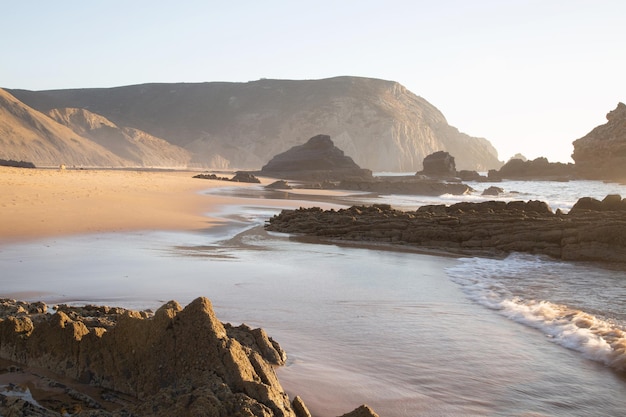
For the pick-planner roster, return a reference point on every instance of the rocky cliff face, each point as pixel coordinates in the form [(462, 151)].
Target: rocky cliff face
[(380, 124), (78, 137), (28, 135), (136, 146), (601, 154)]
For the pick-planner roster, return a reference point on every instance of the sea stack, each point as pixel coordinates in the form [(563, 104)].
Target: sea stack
[(317, 159)]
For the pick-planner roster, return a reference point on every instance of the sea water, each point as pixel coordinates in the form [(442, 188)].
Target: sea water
[(408, 334)]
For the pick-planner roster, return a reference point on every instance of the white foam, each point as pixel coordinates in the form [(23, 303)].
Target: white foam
[(596, 338), (485, 281)]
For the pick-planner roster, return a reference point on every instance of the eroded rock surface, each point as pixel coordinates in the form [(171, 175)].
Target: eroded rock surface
[(536, 170), (439, 164), (592, 231), (601, 154), (317, 159), (175, 362)]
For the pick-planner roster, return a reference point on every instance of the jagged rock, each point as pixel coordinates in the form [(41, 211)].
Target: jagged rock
[(179, 359), (174, 362), (317, 159), (279, 185), (488, 228), (242, 176), (362, 411), (493, 191), (537, 169), (601, 154), (300, 408), (439, 164), (211, 177)]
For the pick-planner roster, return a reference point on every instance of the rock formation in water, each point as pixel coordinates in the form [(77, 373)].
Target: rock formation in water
[(380, 124), (177, 362), (601, 154), (317, 159), (591, 231), (537, 169), (439, 164)]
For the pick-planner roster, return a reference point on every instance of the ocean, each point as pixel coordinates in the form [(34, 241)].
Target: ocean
[(408, 334)]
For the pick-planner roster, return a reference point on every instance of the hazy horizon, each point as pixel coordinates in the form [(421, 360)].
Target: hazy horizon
[(529, 76)]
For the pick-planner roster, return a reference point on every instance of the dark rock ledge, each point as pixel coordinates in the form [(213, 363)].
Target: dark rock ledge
[(592, 231), (100, 361)]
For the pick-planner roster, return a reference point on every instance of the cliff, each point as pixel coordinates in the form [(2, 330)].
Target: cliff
[(380, 124), (601, 154), (28, 135), (137, 147)]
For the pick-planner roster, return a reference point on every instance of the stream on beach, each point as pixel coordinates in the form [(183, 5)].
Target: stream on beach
[(406, 333)]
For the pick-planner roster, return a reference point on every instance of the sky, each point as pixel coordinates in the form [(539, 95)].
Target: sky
[(529, 76)]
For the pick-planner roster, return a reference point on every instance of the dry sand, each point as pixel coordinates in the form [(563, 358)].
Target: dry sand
[(38, 203), (50, 202)]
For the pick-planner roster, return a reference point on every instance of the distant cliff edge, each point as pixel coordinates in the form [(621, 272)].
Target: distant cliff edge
[(380, 124), (601, 153)]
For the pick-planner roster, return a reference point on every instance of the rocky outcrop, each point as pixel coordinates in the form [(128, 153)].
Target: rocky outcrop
[(537, 169), (492, 228), (175, 362), (380, 124), (406, 185), (16, 164), (317, 159), (493, 191), (601, 154), (439, 164), (239, 176)]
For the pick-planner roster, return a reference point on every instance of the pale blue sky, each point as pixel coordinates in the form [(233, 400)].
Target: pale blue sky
[(530, 76)]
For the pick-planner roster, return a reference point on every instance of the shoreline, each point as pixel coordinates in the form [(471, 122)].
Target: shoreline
[(44, 202)]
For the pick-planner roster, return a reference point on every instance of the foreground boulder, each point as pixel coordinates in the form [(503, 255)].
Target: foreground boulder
[(493, 228), (177, 362)]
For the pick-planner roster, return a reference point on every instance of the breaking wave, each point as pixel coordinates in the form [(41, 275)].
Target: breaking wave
[(597, 337)]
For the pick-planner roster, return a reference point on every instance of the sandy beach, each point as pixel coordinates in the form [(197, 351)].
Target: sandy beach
[(51, 202)]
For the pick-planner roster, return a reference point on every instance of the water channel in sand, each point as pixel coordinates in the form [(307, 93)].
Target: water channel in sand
[(359, 325)]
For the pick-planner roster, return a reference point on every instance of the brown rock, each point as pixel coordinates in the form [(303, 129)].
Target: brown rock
[(362, 411), (439, 164), (178, 362), (601, 154), (317, 159), (487, 228)]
